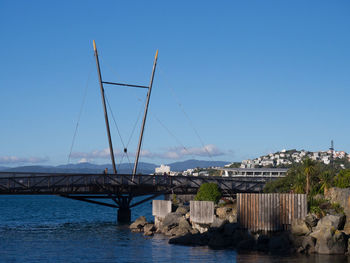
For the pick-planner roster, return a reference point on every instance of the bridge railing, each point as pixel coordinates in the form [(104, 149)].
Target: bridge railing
[(31, 183)]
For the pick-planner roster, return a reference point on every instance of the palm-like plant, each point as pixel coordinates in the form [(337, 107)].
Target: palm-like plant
[(326, 179), (299, 184), (309, 168)]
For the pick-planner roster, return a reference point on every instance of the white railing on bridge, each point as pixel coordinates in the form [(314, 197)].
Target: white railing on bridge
[(254, 172)]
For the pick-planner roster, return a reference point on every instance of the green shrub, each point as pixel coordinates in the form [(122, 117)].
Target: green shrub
[(208, 192), (342, 180), (174, 199)]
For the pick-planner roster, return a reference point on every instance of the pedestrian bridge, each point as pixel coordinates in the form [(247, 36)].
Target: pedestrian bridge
[(120, 188)]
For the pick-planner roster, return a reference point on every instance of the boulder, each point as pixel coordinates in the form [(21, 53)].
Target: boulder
[(183, 224), (232, 218), (217, 240), (170, 221), (229, 229), (138, 225), (186, 240), (279, 243), (149, 229), (223, 212), (299, 227), (177, 231), (308, 244), (333, 222), (240, 235), (329, 241), (246, 244), (311, 220), (190, 240), (218, 223), (194, 231), (342, 197), (183, 210), (201, 228), (262, 243)]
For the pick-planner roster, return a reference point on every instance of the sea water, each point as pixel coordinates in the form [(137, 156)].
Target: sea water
[(55, 229)]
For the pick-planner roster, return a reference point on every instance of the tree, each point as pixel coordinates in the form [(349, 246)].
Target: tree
[(326, 180), (342, 180), (309, 169), (208, 192)]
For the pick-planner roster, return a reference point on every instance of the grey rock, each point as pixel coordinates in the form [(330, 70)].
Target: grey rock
[(296, 241), (262, 243), (342, 197), (190, 240), (240, 235), (183, 210), (299, 227), (331, 242), (194, 231), (246, 244), (185, 240), (229, 229), (217, 240), (184, 224), (232, 218), (201, 228), (311, 220), (177, 231), (149, 229), (138, 224), (308, 244), (170, 221), (218, 223), (333, 222), (223, 212), (279, 243), (227, 213)]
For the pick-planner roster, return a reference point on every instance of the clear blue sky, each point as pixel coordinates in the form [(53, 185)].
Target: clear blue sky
[(252, 76)]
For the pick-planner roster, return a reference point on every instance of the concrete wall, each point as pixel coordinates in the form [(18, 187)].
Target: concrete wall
[(202, 212), (160, 208)]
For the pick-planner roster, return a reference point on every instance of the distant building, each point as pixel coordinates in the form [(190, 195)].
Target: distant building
[(162, 169)]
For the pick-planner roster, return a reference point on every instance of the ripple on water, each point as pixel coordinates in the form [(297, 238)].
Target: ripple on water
[(53, 229)]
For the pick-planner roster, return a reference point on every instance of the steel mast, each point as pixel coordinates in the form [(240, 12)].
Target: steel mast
[(145, 114), (105, 109)]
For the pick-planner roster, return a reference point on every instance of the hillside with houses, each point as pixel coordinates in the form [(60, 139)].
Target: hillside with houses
[(286, 158)]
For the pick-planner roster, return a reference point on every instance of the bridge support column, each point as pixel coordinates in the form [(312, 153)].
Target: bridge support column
[(124, 212), (124, 215)]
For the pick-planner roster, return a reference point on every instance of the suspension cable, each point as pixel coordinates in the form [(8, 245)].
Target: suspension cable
[(172, 134), (80, 113), (116, 125), (186, 115)]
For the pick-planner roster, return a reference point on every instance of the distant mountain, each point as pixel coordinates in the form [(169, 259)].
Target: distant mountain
[(124, 168), (190, 164)]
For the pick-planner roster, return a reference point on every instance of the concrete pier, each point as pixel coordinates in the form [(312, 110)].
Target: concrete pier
[(124, 215), (160, 208), (202, 212)]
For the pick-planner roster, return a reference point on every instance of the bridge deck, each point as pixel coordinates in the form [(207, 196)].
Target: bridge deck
[(116, 184)]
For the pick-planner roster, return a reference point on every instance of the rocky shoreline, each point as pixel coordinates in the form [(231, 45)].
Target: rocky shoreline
[(324, 235)]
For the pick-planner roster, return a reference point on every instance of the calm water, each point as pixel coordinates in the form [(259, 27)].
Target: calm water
[(54, 229)]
